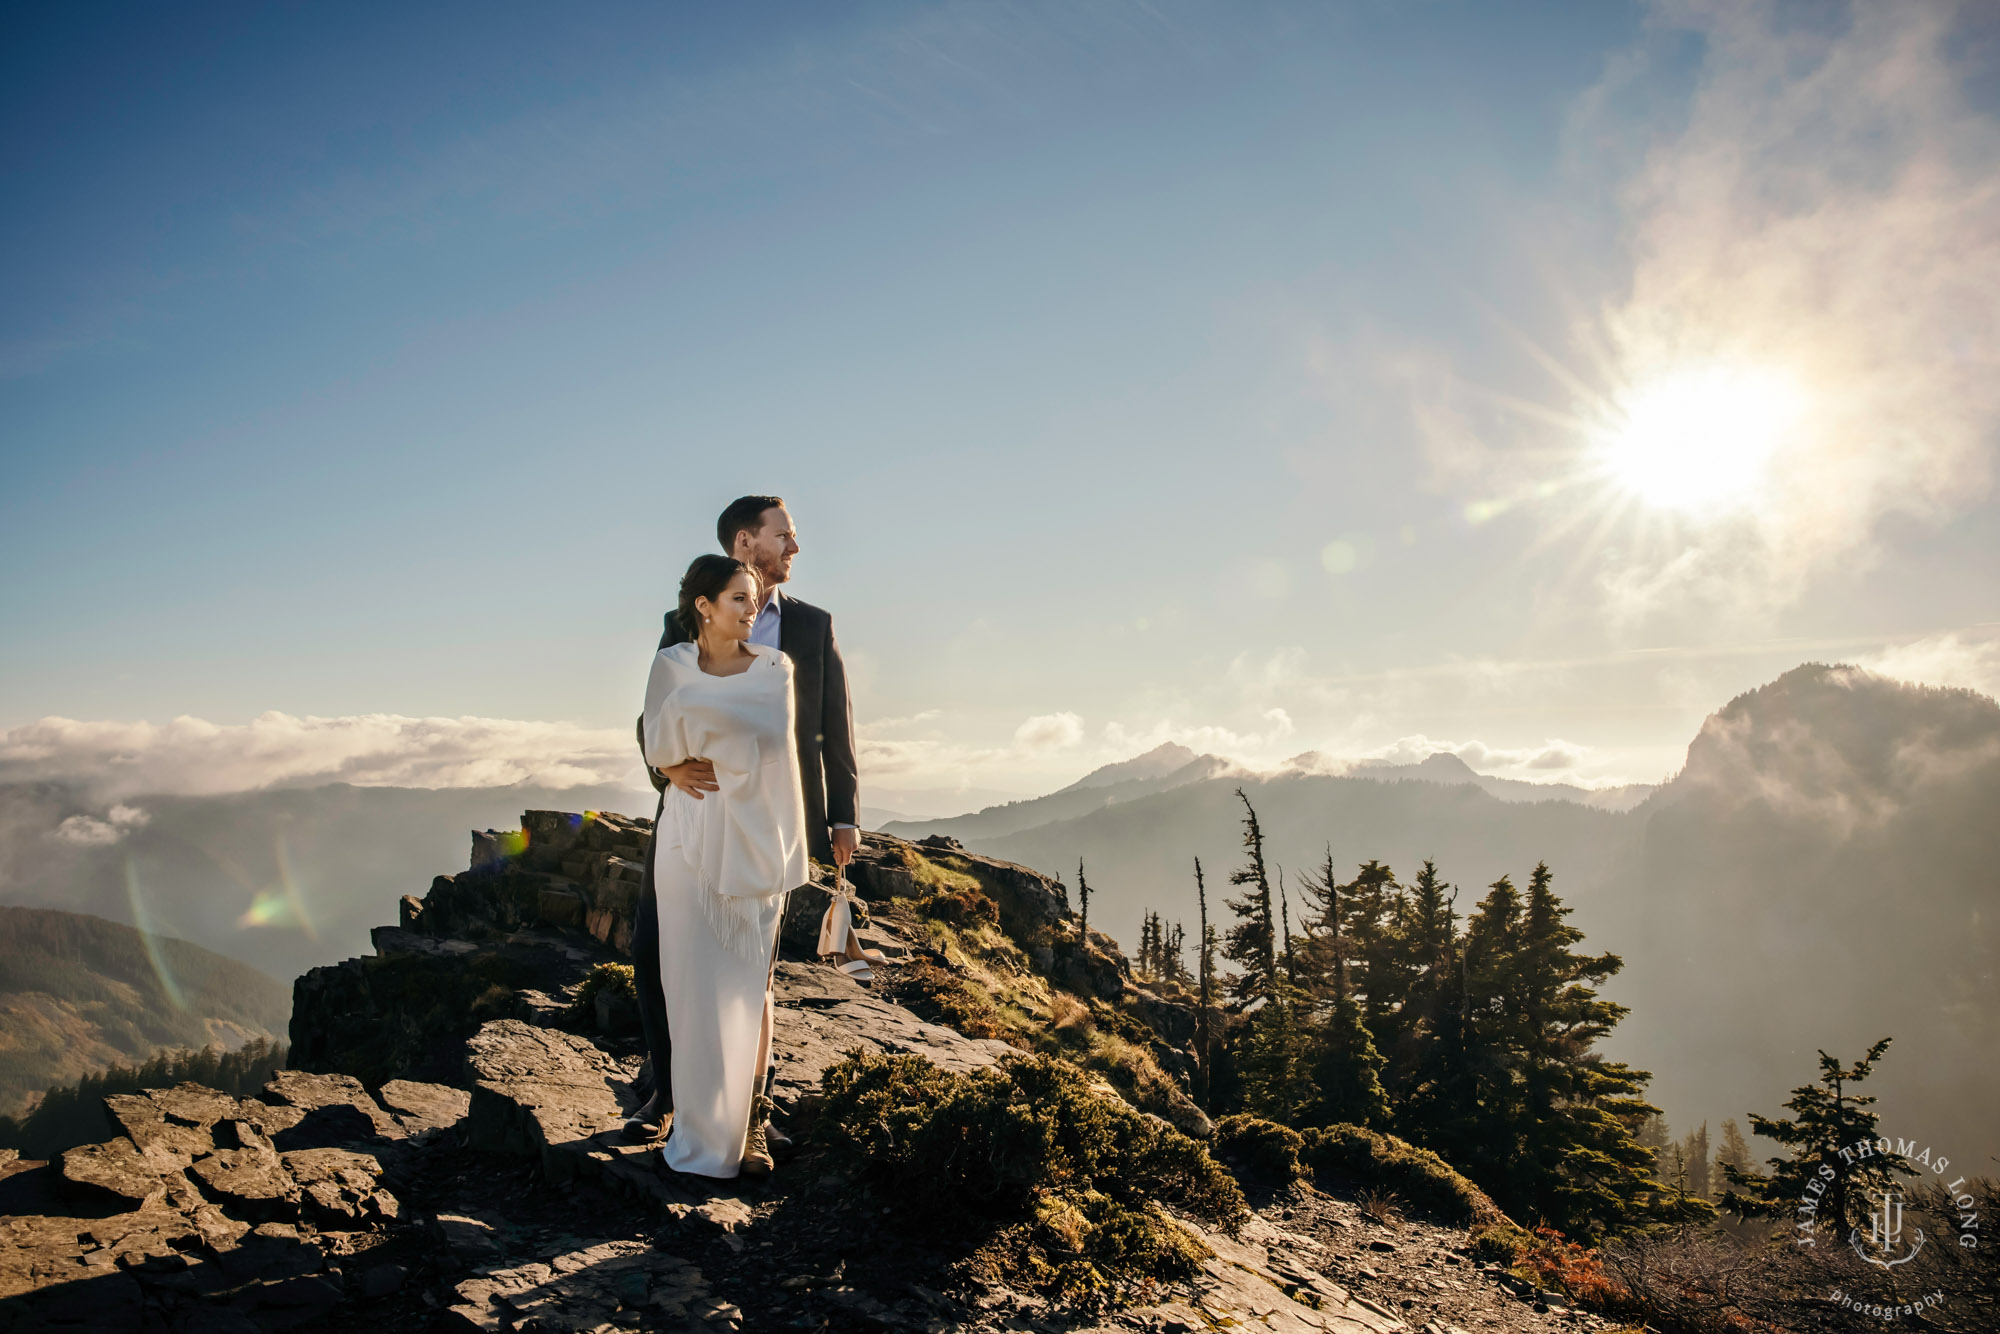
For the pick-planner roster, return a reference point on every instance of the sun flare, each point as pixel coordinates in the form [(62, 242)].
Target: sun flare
[(1700, 440)]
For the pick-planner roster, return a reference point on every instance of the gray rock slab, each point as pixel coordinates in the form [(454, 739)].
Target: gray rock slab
[(421, 1107), (250, 1182), (117, 1169), (322, 1094), (340, 1189), (822, 1015), (542, 1092), (1244, 1286), (607, 1286)]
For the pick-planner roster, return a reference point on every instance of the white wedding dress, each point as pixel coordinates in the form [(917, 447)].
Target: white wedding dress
[(721, 868)]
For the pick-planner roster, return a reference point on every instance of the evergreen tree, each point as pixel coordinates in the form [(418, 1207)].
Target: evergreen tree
[(1678, 1202), (1375, 932), (1252, 943), (1149, 944), (1285, 921), (1694, 1153), (1325, 951), (1525, 1106), (1346, 1069), (1176, 958), (1438, 1105), (1431, 1079), (1083, 898), (1275, 1064), (1834, 1161), (1591, 1174), (1204, 1035), (1345, 1064), (1731, 1151), (1655, 1134), (1430, 993)]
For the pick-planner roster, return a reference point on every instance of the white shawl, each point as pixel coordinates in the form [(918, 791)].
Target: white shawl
[(746, 842)]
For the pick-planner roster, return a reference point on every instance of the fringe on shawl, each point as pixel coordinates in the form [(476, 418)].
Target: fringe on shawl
[(734, 920)]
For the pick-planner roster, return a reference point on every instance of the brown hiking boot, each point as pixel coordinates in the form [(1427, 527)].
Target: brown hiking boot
[(756, 1147)]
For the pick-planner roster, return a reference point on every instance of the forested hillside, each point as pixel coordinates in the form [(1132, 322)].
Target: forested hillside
[(79, 994)]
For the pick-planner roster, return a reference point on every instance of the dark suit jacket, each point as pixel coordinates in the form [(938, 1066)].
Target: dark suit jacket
[(828, 775)]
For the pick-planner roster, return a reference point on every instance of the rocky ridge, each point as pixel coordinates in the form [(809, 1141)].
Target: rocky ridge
[(497, 1192)]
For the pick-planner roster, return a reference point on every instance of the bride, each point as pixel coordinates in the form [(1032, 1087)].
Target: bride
[(723, 863)]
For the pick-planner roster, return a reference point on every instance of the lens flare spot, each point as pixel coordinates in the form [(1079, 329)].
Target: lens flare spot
[(155, 955), (281, 905), (268, 908)]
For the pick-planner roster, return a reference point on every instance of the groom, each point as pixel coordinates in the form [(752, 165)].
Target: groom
[(758, 531)]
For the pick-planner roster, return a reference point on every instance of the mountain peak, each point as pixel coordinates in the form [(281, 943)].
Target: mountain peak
[(1842, 741), (1444, 767), (1158, 762)]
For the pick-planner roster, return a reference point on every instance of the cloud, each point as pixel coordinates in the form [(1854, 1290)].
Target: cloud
[(1941, 660), (1049, 731), (193, 756), (1830, 212), (88, 831), (1816, 216)]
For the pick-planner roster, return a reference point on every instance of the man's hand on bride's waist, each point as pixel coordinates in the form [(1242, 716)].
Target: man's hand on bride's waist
[(693, 777)]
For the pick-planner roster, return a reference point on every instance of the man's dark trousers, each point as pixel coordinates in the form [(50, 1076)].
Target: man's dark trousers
[(828, 779)]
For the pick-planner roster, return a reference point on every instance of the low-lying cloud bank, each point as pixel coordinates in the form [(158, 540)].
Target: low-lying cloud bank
[(190, 756), (116, 761)]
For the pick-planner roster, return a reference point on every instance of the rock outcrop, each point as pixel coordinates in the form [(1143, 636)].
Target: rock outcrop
[(450, 1153)]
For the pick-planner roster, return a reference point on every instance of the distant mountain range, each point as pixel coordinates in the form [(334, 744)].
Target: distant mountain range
[(78, 994), (1444, 767), (1170, 766), (1824, 871), (1159, 770)]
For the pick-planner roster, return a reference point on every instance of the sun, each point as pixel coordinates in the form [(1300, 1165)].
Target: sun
[(1699, 440)]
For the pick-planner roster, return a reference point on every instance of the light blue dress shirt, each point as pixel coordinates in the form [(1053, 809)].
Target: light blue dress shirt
[(764, 630)]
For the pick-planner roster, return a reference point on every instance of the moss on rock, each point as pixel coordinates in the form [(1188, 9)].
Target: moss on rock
[(1355, 1156), (1048, 1184)]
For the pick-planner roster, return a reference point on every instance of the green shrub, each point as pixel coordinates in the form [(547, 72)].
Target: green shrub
[(616, 978), (960, 905), (1501, 1242), (1261, 1148), (1051, 1186), (1354, 1156)]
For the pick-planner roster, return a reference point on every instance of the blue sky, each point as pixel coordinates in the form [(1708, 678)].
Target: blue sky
[(1216, 373)]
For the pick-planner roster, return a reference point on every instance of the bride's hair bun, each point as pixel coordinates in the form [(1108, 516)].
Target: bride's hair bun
[(706, 577)]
